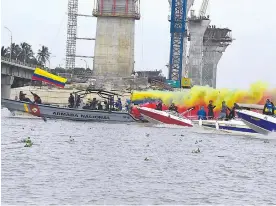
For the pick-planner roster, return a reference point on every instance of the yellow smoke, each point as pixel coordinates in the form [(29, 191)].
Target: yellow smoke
[(201, 95)]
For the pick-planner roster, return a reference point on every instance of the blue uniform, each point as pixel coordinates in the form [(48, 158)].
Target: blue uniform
[(201, 114), (269, 107)]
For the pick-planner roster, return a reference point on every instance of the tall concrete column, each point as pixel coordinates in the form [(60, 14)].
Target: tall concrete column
[(114, 45), (218, 55), (184, 59), (209, 62), (215, 42), (197, 28), (6, 82)]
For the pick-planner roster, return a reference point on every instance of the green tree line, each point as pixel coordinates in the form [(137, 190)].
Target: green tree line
[(23, 52)]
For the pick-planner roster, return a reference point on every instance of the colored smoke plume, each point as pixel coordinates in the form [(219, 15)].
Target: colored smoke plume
[(200, 96)]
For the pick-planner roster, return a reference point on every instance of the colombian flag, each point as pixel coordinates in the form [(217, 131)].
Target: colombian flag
[(42, 75)]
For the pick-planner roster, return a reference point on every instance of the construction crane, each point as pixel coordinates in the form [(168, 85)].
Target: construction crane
[(203, 7), (178, 31)]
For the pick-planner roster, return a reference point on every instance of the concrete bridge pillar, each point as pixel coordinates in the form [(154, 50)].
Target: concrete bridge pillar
[(6, 82)]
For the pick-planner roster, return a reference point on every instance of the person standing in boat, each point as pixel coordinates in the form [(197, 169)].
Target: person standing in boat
[(118, 104), (127, 105), (201, 114), (211, 108), (71, 100), (94, 104), (78, 101), (111, 103), (269, 108), (99, 105)]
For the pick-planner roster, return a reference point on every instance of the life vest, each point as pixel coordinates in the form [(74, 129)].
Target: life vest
[(269, 107)]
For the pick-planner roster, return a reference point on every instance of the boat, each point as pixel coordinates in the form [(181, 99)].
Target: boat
[(233, 126), (166, 117), (261, 123), (66, 113)]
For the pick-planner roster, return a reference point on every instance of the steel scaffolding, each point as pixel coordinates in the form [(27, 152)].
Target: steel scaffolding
[(71, 33), (178, 22)]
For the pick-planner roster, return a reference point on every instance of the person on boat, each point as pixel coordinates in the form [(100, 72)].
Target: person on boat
[(269, 108), (100, 106), (22, 97), (106, 106), (173, 108), (93, 103), (37, 99), (223, 112), (78, 101), (111, 103), (71, 100), (86, 106), (82, 104), (211, 108), (159, 106), (201, 114), (118, 104), (232, 113), (127, 105)]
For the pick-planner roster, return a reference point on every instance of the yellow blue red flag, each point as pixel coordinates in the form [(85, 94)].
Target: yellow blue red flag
[(42, 75)]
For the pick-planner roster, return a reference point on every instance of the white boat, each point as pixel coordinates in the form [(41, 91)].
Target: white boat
[(261, 123), (166, 117), (233, 126)]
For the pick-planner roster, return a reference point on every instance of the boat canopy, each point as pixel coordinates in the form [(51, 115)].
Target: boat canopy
[(102, 93)]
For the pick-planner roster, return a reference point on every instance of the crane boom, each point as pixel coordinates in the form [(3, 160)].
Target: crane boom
[(178, 31), (203, 7)]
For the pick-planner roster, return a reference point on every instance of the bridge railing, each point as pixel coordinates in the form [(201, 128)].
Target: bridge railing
[(13, 61)]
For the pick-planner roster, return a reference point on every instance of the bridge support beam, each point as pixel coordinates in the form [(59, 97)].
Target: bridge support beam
[(6, 82)]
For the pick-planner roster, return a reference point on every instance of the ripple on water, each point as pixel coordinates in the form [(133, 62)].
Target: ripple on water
[(105, 164)]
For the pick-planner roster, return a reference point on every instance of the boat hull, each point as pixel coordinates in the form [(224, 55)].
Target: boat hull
[(232, 126), (48, 111), (156, 116), (263, 124)]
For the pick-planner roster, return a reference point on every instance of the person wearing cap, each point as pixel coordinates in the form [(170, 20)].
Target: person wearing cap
[(37, 99), (22, 97), (268, 108)]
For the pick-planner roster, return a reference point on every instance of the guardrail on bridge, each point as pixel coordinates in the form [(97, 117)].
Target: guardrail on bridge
[(17, 63)]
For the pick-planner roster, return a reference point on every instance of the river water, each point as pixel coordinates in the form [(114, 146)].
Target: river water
[(132, 164)]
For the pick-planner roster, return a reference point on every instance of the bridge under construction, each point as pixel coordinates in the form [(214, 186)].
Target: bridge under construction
[(114, 41)]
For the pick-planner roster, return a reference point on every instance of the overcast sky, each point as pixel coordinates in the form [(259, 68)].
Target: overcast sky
[(250, 58)]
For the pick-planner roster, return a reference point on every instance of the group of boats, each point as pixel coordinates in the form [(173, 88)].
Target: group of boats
[(248, 122)]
